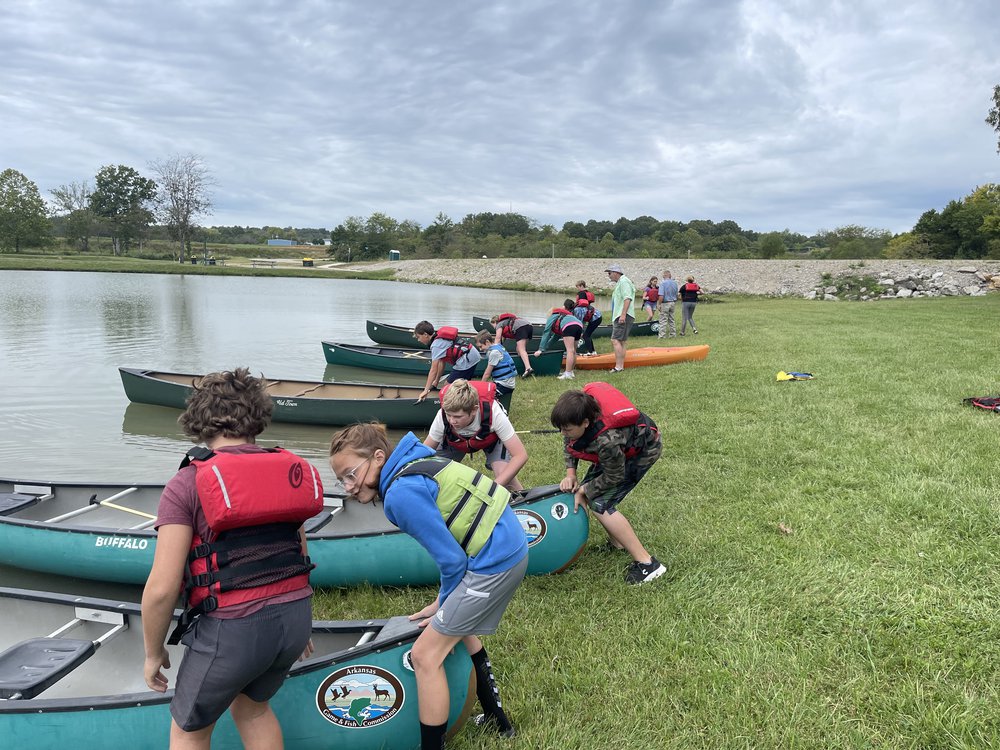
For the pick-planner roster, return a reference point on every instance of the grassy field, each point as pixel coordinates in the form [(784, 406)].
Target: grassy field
[(872, 624), (235, 265)]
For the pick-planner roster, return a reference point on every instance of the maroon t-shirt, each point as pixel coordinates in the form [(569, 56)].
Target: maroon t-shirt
[(179, 505)]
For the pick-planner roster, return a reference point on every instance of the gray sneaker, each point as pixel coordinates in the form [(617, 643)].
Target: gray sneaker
[(639, 573)]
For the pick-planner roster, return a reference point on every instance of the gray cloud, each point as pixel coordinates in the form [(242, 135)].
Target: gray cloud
[(808, 116)]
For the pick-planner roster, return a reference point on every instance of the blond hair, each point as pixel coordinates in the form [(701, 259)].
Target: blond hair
[(460, 396)]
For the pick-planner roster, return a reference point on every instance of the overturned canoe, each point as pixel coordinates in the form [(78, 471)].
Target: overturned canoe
[(646, 356), (646, 328), (418, 361), (301, 401), (104, 532), (71, 668)]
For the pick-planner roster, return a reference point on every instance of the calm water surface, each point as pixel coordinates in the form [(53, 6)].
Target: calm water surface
[(64, 335)]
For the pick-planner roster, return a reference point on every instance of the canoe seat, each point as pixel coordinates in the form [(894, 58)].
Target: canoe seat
[(12, 502), (536, 493), (29, 667), (317, 522)]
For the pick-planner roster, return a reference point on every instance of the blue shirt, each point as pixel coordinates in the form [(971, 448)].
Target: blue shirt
[(668, 290), (411, 503)]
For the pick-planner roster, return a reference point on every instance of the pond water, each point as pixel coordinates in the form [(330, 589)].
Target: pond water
[(63, 336)]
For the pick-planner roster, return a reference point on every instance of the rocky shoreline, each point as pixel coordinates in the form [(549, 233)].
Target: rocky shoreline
[(777, 278)]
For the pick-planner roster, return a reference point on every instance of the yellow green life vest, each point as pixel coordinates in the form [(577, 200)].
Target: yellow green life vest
[(470, 503)]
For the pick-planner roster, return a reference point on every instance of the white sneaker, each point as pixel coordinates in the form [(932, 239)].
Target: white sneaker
[(568, 375)]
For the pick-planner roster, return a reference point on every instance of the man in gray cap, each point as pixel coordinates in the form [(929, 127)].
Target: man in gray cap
[(622, 302)]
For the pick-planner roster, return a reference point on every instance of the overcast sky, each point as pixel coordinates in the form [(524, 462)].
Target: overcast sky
[(803, 115)]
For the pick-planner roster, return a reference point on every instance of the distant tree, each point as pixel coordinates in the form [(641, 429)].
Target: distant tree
[(857, 241), (771, 245), (574, 229), (73, 200), (685, 243), (908, 245), (123, 197), (182, 196), (438, 234), (23, 220), (993, 118)]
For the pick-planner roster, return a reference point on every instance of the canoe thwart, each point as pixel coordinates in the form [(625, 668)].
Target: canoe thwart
[(94, 504), (32, 666)]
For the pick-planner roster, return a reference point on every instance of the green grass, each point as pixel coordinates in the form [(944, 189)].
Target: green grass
[(873, 624), (127, 264)]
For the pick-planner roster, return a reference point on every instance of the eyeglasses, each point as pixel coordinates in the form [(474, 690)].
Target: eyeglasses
[(351, 476)]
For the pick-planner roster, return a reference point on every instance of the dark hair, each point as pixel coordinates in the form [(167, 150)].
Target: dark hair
[(569, 304), (363, 438), (423, 326), (575, 408), (232, 403)]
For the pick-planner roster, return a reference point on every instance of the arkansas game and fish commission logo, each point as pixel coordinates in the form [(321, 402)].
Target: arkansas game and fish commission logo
[(533, 525), (360, 696)]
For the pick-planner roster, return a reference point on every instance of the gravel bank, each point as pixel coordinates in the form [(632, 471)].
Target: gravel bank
[(761, 277)]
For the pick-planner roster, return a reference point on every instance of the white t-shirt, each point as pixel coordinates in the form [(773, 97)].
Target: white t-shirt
[(501, 425)]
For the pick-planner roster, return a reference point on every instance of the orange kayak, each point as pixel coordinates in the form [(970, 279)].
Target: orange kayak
[(646, 355)]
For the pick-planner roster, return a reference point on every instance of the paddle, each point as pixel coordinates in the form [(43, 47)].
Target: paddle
[(536, 432)]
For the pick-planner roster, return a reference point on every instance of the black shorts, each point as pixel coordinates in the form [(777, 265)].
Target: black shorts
[(524, 333), (575, 332), (249, 655)]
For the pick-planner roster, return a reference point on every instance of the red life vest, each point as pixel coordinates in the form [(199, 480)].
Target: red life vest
[(585, 299), (485, 438), (459, 347), (617, 411), (557, 323), (254, 504), (505, 324)]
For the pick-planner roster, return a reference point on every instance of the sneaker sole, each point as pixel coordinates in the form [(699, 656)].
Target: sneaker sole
[(654, 575)]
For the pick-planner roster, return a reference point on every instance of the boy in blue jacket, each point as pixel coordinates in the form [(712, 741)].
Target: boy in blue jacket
[(476, 552)]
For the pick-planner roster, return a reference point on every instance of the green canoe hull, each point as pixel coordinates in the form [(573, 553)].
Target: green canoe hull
[(394, 405), (418, 361), (387, 334), (356, 545), (646, 328), (379, 708)]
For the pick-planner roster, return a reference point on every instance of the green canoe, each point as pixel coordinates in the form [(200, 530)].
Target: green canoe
[(418, 361), (301, 401), (388, 334), (71, 668), (647, 328), (104, 532)]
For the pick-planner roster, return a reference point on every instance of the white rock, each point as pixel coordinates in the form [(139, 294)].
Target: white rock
[(937, 274), (810, 295), (966, 269), (830, 298), (830, 290), (904, 292), (974, 291)]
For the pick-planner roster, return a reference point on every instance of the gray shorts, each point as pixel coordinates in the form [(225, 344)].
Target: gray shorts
[(620, 331), (250, 655), (478, 602), (497, 453)]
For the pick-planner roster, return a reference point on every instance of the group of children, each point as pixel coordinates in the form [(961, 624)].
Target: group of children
[(460, 517)]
